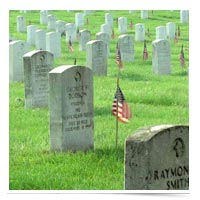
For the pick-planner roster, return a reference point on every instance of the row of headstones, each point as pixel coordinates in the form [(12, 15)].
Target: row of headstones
[(96, 56), (71, 28), (71, 110)]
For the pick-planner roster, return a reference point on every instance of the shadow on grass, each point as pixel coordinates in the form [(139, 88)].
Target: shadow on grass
[(100, 111), (110, 152), (180, 73)]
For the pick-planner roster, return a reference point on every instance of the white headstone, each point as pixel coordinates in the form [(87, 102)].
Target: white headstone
[(105, 38), (60, 26), (79, 20), (53, 43), (37, 65), (44, 17), (157, 158), (71, 108), (84, 38), (126, 46), (122, 24), (31, 29), (105, 28), (96, 57), (184, 15), (109, 19), (161, 32), (16, 68), (171, 30), (21, 24), (139, 32), (40, 40), (161, 57), (144, 14), (51, 22), (70, 31)]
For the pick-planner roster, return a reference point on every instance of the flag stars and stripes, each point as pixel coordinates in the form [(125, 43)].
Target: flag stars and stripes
[(120, 107)]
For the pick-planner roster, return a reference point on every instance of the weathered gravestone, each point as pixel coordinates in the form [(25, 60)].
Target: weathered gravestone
[(84, 38), (96, 57), (70, 32), (79, 20), (17, 49), (126, 47), (139, 32), (171, 29), (184, 14), (44, 17), (71, 108), (51, 24), (31, 29), (161, 57), (161, 32), (40, 40), (53, 43), (157, 158), (122, 24), (105, 38), (37, 65), (21, 24)]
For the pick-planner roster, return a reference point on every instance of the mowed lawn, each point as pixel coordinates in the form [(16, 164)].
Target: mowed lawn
[(153, 99)]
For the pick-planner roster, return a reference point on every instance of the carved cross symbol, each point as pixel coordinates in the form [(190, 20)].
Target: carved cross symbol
[(178, 147)]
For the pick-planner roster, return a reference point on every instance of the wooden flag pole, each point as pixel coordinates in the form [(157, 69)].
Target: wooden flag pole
[(117, 114)]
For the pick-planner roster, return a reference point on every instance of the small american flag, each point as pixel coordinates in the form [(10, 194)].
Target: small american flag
[(70, 45), (148, 32), (131, 25), (145, 52), (113, 34), (175, 38), (118, 57), (179, 31), (120, 107), (77, 33), (182, 57)]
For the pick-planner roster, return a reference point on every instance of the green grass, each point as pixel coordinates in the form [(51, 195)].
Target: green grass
[(154, 100)]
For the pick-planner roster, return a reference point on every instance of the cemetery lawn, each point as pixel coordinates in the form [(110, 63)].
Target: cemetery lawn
[(153, 99)]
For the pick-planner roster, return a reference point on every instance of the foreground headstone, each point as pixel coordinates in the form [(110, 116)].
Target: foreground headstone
[(17, 49), (126, 47), (37, 65), (139, 32), (161, 57), (157, 158), (71, 108), (96, 57)]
